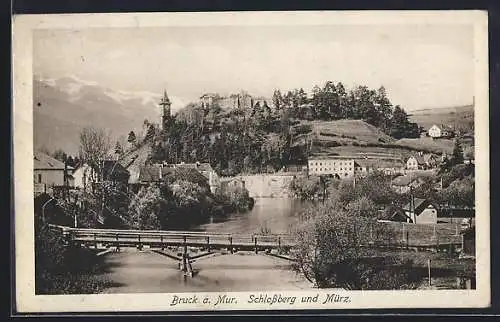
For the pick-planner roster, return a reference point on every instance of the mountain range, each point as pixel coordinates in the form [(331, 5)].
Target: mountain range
[(62, 107)]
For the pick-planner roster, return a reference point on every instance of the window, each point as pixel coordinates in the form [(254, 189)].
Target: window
[(39, 178), (346, 174)]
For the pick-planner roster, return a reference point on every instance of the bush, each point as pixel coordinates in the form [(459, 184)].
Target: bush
[(331, 254), (62, 269), (145, 208), (239, 199)]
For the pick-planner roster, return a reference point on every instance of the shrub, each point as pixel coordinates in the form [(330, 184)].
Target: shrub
[(239, 199), (330, 252)]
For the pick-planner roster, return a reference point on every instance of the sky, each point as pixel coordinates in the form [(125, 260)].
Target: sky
[(421, 66)]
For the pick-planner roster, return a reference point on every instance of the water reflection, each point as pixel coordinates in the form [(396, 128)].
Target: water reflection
[(149, 272), (273, 214)]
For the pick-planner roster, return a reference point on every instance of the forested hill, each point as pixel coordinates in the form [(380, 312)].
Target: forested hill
[(284, 132)]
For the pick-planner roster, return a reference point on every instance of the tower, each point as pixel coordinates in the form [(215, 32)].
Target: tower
[(165, 105)]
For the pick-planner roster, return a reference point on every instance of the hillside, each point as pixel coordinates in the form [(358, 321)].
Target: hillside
[(460, 116), (62, 107), (428, 144), (355, 138), (341, 132)]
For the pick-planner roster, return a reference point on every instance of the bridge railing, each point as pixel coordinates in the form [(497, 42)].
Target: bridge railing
[(179, 238)]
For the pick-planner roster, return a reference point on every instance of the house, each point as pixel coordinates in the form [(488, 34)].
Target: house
[(430, 161), (112, 171), (435, 131), (49, 172), (458, 212), (206, 170), (394, 213), (440, 132), (159, 173), (227, 184), (388, 167), (415, 162), (209, 98), (363, 167), (403, 184), (421, 211)]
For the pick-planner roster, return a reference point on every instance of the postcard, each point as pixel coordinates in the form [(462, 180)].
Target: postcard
[(251, 161)]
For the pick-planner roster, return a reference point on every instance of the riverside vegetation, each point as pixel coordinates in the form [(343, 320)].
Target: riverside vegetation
[(341, 221), (236, 141)]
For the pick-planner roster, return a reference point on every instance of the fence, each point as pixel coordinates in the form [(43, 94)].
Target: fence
[(433, 236)]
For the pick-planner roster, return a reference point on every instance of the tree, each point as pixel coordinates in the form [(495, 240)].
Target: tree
[(60, 155), (332, 252), (457, 157), (460, 192), (277, 100), (362, 207), (306, 188), (150, 133), (95, 145), (131, 137), (400, 127), (145, 208)]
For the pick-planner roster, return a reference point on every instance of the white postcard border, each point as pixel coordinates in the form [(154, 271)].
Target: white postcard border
[(27, 301)]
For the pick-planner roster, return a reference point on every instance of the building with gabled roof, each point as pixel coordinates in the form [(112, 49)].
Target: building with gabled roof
[(49, 172), (415, 162), (421, 211), (112, 171)]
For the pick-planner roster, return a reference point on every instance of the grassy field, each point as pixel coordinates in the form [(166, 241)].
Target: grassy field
[(429, 144), (346, 131), (358, 139), (460, 116)]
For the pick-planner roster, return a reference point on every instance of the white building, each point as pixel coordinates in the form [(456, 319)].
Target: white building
[(440, 132), (415, 162), (344, 168), (435, 131), (49, 172)]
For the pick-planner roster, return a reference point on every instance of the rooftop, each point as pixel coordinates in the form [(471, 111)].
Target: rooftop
[(43, 161)]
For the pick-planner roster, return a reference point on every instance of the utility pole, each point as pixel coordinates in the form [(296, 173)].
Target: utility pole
[(412, 206)]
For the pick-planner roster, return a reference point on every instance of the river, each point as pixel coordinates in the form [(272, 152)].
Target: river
[(275, 215), (135, 271)]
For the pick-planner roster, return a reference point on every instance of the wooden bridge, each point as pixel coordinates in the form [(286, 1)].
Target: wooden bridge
[(164, 241), (168, 243)]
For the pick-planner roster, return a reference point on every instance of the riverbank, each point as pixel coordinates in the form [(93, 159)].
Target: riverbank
[(134, 271)]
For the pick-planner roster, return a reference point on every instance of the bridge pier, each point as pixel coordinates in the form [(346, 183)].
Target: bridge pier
[(185, 264), (117, 243), (139, 245)]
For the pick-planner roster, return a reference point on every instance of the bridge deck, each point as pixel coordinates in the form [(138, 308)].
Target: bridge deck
[(114, 237), (212, 240)]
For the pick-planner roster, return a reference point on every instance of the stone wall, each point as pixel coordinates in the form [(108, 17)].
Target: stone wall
[(268, 186)]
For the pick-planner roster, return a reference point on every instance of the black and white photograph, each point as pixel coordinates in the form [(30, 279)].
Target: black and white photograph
[(292, 163)]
